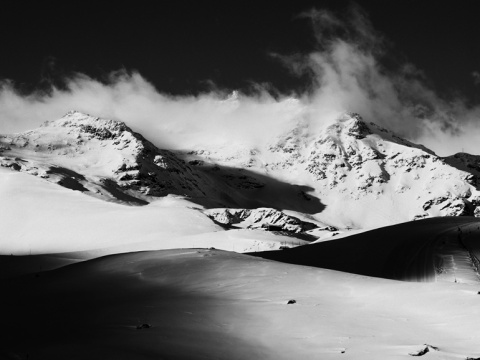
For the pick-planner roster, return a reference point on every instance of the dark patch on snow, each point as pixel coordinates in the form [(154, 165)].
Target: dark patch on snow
[(65, 172), (196, 162), (14, 166), (112, 187), (425, 350), (72, 184), (144, 326)]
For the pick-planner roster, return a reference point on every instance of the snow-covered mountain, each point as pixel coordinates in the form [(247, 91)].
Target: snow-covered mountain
[(100, 157), (350, 174), (365, 175), (106, 159)]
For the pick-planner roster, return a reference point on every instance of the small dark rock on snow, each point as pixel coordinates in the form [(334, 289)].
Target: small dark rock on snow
[(144, 326), (291, 302), (425, 350)]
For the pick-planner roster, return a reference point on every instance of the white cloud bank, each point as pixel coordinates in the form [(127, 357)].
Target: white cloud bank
[(346, 75)]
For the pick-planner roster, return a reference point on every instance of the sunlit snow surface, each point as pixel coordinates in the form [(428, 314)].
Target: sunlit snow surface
[(211, 304)]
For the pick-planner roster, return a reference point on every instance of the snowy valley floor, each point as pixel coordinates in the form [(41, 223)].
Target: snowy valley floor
[(86, 299), (211, 304)]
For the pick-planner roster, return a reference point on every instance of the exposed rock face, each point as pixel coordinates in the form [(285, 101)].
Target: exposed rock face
[(476, 212), (349, 147), (352, 150), (262, 218)]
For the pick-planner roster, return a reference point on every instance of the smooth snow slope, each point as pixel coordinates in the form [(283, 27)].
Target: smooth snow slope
[(438, 249), (205, 304), (38, 217)]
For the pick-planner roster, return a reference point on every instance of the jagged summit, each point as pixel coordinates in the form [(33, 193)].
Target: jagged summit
[(353, 125), (367, 163), (106, 128)]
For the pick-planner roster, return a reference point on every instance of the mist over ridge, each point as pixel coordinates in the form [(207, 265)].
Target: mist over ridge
[(345, 72)]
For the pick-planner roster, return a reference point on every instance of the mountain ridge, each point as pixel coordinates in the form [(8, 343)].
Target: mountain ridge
[(365, 175)]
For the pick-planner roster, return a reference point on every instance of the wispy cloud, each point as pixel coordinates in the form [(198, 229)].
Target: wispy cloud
[(174, 122), (346, 73), (349, 75)]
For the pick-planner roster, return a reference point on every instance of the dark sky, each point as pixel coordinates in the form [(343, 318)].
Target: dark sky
[(183, 46)]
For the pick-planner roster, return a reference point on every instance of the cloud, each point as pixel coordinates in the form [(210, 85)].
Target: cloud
[(173, 122), (346, 72), (476, 77)]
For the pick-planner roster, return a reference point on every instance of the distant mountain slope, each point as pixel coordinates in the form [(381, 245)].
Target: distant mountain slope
[(465, 162)]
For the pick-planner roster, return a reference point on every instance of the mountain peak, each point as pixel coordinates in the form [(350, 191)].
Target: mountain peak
[(74, 112), (88, 124), (354, 125), (102, 157)]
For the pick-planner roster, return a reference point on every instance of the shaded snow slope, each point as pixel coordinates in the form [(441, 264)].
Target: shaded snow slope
[(466, 162), (438, 249), (203, 304)]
